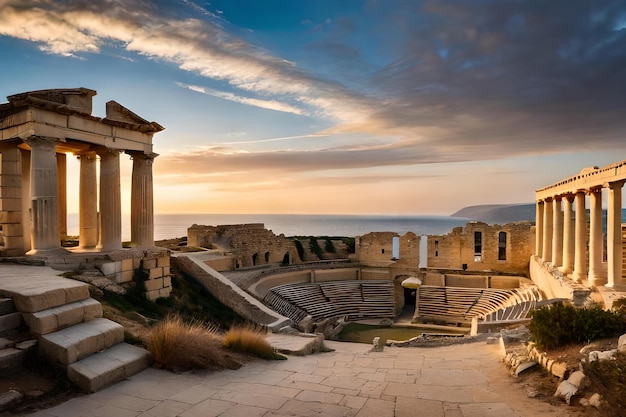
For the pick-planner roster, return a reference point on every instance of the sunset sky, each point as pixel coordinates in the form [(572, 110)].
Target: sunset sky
[(337, 107)]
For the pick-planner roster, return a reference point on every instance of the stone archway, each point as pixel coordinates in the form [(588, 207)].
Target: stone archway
[(255, 258), (287, 259)]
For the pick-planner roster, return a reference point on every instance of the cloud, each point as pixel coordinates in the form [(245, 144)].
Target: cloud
[(264, 104), (435, 82)]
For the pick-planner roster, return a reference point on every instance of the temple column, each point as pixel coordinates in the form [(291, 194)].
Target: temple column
[(110, 201), (614, 233), (568, 235), (547, 230), (557, 234), (595, 238), (539, 228), (88, 201), (44, 210), (580, 239), (62, 193), (142, 200)]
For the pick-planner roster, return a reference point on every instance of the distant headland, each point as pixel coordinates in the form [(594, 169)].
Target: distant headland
[(498, 213)]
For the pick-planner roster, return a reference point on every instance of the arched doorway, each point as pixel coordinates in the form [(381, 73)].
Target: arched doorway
[(255, 257), (287, 259)]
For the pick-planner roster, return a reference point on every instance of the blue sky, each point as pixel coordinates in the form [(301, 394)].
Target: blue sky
[(326, 106)]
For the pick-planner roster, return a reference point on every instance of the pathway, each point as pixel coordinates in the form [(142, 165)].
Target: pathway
[(454, 381)]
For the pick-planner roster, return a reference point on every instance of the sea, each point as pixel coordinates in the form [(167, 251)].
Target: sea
[(168, 226)]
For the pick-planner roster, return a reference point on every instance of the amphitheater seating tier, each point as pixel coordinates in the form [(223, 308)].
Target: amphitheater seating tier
[(354, 299)]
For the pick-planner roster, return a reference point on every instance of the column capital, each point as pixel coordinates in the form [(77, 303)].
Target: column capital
[(86, 155), (108, 152), (41, 141), (569, 197), (594, 190), (147, 157), (616, 184)]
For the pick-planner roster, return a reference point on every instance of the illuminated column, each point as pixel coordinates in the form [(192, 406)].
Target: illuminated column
[(88, 201), (110, 201), (614, 233), (539, 228), (557, 234), (44, 230), (580, 244), (142, 200), (547, 230), (62, 192), (568, 235), (595, 238)]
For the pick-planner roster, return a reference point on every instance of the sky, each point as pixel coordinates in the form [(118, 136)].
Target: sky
[(339, 107)]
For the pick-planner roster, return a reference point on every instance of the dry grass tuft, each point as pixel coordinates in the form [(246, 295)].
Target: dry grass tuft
[(176, 344), (250, 339)]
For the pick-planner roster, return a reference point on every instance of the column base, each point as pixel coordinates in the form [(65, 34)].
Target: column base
[(59, 251), (596, 281)]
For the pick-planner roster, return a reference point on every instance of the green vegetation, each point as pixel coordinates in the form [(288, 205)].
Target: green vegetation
[(176, 344), (250, 339), (328, 246), (559, 325), (315, 247), (350, 242), (299, 248), (608, 378)]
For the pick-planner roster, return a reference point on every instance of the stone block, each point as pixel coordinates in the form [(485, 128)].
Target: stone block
[(149, 263), (124, 276), (10, 217), (559, 369), (154, 284), (10, 321), (153, 295), (12, 204), (53, 319), (11, 359), (167, 281), (71, 344), (110, 268), (127, 265), (166, 271), (108, 367), (621, 343), (165, 292), (163, 261), (10, 230), (6, 306), (155, 273)]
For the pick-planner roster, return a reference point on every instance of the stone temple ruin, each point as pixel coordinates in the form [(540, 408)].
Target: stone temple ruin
[(38, 130)]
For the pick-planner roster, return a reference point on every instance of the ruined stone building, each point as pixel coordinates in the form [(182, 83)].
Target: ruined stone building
[(38, 130), (482, 247), (243, 245), (570, 239)]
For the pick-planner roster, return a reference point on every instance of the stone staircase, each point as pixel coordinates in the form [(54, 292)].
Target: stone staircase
[(70, 328)]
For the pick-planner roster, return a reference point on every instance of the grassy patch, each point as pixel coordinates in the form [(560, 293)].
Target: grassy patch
[(250, 339), (177, 344)]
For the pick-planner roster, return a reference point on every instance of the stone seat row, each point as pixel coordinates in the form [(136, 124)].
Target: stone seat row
[(353, 299), (463, 304)]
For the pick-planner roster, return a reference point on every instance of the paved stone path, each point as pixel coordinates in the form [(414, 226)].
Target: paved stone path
[(454, 381)]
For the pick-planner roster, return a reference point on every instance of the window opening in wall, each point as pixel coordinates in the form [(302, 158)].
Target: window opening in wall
[(436, 248), (254, 258), (383, 250), (478, 246), (502, 246), (267, 257), (395, 248)]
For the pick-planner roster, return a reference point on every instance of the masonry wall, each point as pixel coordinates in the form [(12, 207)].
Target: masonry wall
[(248, 244), (376, 250), (456, 250)]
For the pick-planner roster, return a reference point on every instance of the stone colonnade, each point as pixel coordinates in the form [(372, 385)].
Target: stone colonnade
[(562, 236), (37, 130)]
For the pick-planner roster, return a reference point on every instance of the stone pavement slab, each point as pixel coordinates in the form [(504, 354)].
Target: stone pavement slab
[(455, 381)]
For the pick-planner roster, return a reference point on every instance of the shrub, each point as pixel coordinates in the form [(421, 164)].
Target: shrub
[(329, 246), (560, 324), (315, 247), (250, 339), (176, 344), (299, 248)]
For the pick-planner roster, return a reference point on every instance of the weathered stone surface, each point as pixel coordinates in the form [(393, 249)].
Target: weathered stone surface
[(566, 391), (9, 398), (621, 343)]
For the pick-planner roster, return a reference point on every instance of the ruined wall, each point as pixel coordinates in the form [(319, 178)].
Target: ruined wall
[(458, 249), (376, 250), (249, 244)]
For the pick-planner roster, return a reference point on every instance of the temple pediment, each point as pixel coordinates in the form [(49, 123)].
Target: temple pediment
[(117, 114)]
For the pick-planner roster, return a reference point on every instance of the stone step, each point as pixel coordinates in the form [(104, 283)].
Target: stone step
[(10, 321), (11, 359), (6, 306), (37, 288), (108, 367), (73, 343), (56, 318)]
